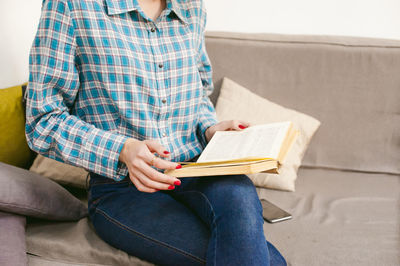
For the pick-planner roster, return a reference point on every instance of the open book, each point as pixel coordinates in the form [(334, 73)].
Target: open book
[(259, 148)]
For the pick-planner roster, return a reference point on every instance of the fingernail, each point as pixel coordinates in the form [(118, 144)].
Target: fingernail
[(171, 187), (242, 127), (178, 166), (166, 152), (177, 182)]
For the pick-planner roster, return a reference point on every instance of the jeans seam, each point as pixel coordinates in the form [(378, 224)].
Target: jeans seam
[(127, 228), (214, 223)]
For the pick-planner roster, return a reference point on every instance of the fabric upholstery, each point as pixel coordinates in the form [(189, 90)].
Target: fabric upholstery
[(237, 102), (351, 85), (60, 172), (339, 218), (14, 149), (26, 193), (75, 242), (34, 260), (12, 239)]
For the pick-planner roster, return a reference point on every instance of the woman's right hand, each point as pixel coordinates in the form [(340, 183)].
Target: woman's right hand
[(137, 156)]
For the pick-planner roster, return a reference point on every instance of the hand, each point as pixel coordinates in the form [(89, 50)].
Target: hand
[(137, 156), (226, 126)]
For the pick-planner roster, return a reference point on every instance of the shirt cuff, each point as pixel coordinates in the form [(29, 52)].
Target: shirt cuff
[(101, 154), (206, 121)]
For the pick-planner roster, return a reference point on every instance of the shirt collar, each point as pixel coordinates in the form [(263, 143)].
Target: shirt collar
[(122, 6)]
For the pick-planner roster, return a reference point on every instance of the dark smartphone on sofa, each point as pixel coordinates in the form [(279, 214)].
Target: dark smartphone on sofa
[(273, 213)]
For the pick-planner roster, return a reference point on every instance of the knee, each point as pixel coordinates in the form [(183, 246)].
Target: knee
[(240, 201), (240, 192)]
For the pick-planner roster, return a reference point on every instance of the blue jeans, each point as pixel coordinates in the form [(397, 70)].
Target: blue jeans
[(214, 220)]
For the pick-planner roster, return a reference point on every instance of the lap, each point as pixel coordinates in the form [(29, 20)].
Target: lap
[(151, 226), (234, 194), (167, 224)]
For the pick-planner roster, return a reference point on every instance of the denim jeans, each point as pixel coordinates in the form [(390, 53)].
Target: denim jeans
[(215, 220)]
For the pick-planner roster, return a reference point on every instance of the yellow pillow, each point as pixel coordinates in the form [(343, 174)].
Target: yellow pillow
[(14, 149)]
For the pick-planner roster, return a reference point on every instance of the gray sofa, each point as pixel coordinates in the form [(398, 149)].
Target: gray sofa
[(346, 205)]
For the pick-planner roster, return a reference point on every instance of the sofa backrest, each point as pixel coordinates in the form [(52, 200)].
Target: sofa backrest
[(350, 84)]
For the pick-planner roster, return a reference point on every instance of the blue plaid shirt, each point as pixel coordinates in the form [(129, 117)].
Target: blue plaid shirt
[(101, 71)]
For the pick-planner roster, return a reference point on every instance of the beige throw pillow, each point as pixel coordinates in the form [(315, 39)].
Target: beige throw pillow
[(62, 173), (237, 102)]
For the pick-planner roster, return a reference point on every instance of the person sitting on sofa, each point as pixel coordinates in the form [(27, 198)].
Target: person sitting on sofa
[(113, 84)]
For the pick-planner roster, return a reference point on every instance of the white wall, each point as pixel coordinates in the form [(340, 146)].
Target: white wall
[(18, 23), (369, 18)]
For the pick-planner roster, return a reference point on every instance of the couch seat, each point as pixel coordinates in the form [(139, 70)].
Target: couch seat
[(339, 218)]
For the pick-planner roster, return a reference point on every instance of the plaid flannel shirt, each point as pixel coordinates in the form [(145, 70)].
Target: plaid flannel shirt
[(101, 71)]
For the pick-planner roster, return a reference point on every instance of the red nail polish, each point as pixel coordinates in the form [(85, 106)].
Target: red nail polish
[(177, 182), (171, 187), (166, 152), (178, 166), (242, 127)]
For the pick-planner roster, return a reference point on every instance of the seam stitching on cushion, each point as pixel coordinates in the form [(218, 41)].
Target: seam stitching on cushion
[(346, 169), (303, 42)]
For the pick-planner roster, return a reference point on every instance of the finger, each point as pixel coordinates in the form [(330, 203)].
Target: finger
[(139, 184), (143, 164), (150, 183), (155, 146), (243, 123), (159, 162), (164, 164), (239, 124), (144, 155), (235, 125), (224, 125), (158, 176), (229, 125)]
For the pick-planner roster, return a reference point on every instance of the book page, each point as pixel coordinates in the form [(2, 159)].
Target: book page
[(254, 141)]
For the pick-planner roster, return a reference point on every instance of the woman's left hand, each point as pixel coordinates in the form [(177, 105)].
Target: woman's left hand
[(225, 126)]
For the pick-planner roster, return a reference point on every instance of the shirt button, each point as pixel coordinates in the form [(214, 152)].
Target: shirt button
[(164, 134), (160, 65), (164, 101), (152, 29)]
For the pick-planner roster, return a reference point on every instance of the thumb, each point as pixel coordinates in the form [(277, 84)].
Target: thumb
[(155, 146)]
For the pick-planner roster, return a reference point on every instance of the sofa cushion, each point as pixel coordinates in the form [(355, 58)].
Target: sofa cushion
[(34, 260), (14, 149), (60, 172), (75, 242), (12, 239), (27, 193), (237, 102), (349, 84), (339, 218)]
